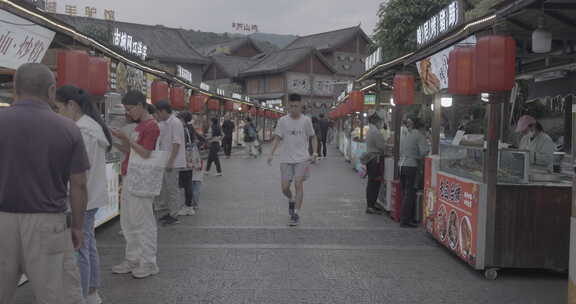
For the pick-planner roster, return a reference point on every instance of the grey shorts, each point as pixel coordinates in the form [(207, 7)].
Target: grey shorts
[(292, 171)]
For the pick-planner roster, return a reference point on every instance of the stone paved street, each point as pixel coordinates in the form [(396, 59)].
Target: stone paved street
[(239, 250)]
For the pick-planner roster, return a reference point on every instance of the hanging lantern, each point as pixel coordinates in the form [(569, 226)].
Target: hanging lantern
[(98, 76), (462, 71), (253, 111), (197, 103), (541, 38), (72, 69), (160, 91), (404, 89), (356, 101), (213, 104), (177, 98), (495, 63), (228, 106)]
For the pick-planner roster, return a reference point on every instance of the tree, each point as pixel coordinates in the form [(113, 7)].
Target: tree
[(398, 22)]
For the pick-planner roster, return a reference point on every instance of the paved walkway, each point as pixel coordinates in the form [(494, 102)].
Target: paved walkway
[(240, 250)]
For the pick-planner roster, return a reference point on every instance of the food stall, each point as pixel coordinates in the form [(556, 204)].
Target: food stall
[(490, 204)]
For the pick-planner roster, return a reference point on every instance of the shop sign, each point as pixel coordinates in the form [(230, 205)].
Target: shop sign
[(220, 92), (370, 100), (184, 74), (440, 24), (374, 59), (204, 86), (434, 69), (129, 45), (274, 102), (246, 98), (237, 96), (342, 96), (453, 216), (350, 86), (22, 41)]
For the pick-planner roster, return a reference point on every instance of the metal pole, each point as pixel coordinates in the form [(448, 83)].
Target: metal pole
[(436, 124), (397, 116)]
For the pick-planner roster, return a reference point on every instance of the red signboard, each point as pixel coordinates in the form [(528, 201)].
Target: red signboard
[(453, 215)]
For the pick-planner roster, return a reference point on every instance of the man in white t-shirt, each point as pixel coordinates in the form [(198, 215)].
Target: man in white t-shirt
[(172, 139), (294, 133)]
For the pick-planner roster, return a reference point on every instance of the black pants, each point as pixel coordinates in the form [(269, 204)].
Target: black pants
[(322, 146), (375, 173), (227, 145), (185, 182), (213, 157), (408, 183)]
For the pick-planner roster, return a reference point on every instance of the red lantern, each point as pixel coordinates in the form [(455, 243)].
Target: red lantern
[(462, 71), (356, 101), (404, 89), (177, 98), (98, 76), (495, 63), (253, 111), (213, 104), (72, 69), (160, 91), (228, 106), (197, 103)]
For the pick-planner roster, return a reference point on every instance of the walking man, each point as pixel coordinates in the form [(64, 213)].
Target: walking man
[(43, 164), (323, 127), (172, 140), (293, 133), (228, 128), (137, 216), (250, 137)]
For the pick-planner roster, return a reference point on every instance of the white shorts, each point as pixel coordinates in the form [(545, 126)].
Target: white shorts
[(292, 171)]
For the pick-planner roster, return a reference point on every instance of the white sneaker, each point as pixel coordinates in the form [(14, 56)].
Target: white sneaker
[(186, 211), (145, 270), (218, 174), (124, 267), (94, 299)]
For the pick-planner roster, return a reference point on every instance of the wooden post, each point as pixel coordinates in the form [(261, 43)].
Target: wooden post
[(491, 168), (436, 124), (572, 275)]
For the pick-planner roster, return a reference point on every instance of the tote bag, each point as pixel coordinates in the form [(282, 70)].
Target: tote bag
[(145, 175)]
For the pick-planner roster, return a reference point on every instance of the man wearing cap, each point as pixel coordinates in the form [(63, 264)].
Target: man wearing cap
[(536, 141)]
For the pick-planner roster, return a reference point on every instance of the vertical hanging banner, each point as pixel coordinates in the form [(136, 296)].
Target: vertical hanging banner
[(21, 41)]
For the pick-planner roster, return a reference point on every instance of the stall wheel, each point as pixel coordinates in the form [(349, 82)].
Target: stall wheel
[(491, 274)]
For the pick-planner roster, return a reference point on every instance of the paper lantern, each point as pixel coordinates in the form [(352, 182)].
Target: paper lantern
[(462, 71), (197, 103), (495, 63), (404, 89), (253, 111), (228, 106), (160, 91), (72, 69), (213, 104), (177, 98), (356, 101), (98, 76)]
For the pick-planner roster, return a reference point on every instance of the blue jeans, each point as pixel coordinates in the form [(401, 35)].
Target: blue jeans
[(196, 193), (88, 259)]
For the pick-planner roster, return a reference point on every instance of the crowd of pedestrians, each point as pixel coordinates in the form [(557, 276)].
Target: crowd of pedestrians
[(54, 181)]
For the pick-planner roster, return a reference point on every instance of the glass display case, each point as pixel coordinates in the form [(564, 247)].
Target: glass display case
[(468, 162)]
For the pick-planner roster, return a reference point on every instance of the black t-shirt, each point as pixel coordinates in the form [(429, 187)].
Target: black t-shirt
[(228, 127), (39, 150)]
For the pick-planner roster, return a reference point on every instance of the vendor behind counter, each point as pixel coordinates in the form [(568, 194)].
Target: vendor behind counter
[(535, 140)]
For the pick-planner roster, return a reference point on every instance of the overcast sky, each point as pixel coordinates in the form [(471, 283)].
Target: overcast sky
[(298, 17)]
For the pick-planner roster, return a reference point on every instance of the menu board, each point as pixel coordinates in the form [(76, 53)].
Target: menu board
[(452, 215)]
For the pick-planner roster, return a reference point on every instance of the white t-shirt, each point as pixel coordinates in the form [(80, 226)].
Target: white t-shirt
[(295, 135), (172, 132)]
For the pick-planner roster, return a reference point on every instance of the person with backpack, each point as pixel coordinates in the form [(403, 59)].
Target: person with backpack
[(250, 138)]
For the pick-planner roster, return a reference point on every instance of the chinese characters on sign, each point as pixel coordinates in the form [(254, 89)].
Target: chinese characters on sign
[(129, 45), (90, 11), (70, 10), (220, 92), (251, 28), (22, 44), (109, 15), (236, 95), (438, 25), (204, 86), (184, 74), (51, 6), (374, 59)]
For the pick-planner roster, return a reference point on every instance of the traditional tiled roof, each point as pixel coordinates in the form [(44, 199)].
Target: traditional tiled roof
[(328, 40), (164, 43), (233, 65), (283, 60), (228, 47)]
